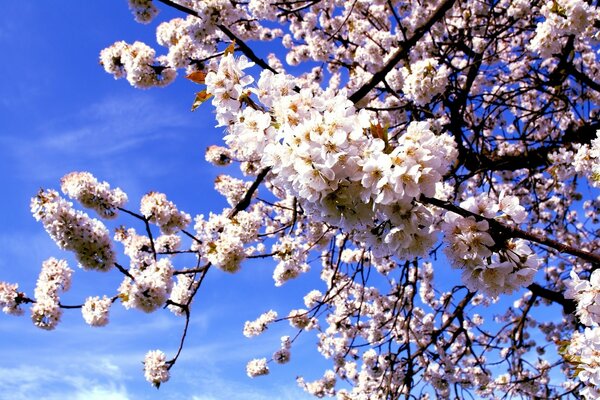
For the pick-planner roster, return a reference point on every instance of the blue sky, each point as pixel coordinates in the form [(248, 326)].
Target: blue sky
[(60, 112)]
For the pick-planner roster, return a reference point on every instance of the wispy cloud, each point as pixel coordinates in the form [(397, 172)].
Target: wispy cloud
[(125, 137), (53, 381), (102, 129), (112, 125)]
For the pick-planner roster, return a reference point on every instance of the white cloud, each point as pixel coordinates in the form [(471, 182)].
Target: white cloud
[(58, 381), (102, 129), (101, 393), (113, 131)]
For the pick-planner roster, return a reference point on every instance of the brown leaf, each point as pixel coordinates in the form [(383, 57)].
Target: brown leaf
[(379, 132), (197, 77), (230, 48)]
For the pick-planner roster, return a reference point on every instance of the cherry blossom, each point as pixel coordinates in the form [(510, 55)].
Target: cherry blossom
[(434, 165)]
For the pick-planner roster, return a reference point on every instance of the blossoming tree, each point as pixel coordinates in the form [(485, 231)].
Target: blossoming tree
[(453, 138)]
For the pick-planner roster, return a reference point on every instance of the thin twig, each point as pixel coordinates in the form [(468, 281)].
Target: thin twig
[(244, 48), (498, 229), (245, 201), (402, 52)]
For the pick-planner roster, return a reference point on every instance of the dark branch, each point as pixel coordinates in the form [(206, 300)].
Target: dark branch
[(501, 231), (245, 202), (568, 305), (402, 51), (240, 43)]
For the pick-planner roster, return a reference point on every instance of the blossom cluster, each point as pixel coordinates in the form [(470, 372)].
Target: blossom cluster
[(85, 188), (227, 86), (587, 161), (149, 287), (137, 63), (10, 298), (55, 276), (583, 352), (182, 293), (318, 147), (140, 248), (95, 310), (587, 295), (221, 239), (257, 367), (163, 213), (233, 189), (282, 356), (291, 254), (143, 10), (156, 369), (562, 18), (424, 80), (74, 230), (491, 267), (321, 387), (255, 328)]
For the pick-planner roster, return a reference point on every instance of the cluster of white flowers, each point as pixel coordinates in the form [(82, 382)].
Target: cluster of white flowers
[(321, 387), (182, 293), (55, 276), (300, 319), (192, 39), (313, 298), (587, 295), (257, 367), (185, 39), (156, 369), (562, 19), (232, 188), (424, 80), (10, 298), (283, 355), (218, 155), (291, 254), (163, 213), (487, 266), (587, 161), (320, 153), (137, 247), (583, 353), (258, 326), (95, 310), (222, 239), (167, 243), (74, 230), (250, 133), (143, 10), (150, 287), (85, 188), (227, 86), (137, 63)]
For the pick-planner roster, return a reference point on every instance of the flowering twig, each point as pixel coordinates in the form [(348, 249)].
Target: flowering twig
[(402, 52), (243, 47)]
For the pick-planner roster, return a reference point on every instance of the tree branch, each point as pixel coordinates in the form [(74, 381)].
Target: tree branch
[(245, 202), (498, 230), (240, 43), (402, 51), (569, 306)]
